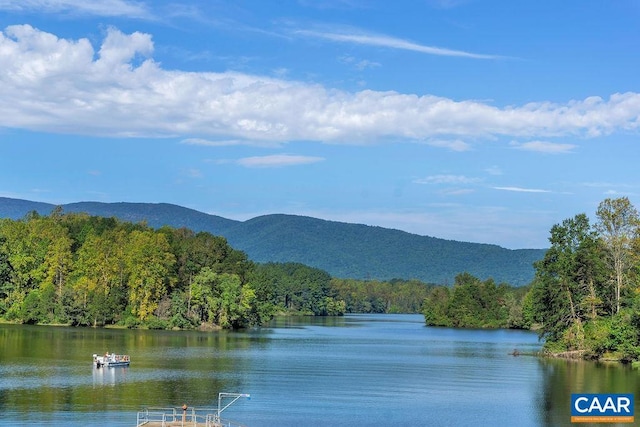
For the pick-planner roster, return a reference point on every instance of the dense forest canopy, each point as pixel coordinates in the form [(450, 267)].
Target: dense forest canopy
[(79, 269), (586, 293)]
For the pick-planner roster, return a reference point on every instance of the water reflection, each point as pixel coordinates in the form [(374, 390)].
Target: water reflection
[(359, 369), (561, 378), (105, 376)]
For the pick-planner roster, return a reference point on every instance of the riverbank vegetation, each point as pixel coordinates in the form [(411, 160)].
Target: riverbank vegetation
[(584, 300), (83, 270), (586, 293), (473, 303)]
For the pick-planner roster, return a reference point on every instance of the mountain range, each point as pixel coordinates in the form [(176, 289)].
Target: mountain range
[(344, 250)]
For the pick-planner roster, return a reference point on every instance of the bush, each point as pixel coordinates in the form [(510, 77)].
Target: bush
[(597, 337), (131, 322), (180, 322), (156, 323)]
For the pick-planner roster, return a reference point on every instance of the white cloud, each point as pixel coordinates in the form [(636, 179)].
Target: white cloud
[(277, 160), (132, 9), (521, 190), (457, 191), (389, 42), (454, 145), (614, 188), (65, 86), (359, 64), (544, 147), (229, 142), (493, 170), (447, 179), (596, 184)]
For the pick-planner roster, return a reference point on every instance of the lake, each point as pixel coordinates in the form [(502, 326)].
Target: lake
[(355, 370)]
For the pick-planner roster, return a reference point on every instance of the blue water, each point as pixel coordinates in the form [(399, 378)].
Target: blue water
[(356, 370)]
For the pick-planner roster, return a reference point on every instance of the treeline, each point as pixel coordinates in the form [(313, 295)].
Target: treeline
[(585, 297), (374, 296), (584, 300), (86, 270), (473, 303)]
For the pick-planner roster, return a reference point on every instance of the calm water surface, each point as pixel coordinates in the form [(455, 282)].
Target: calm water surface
[(356, 370)]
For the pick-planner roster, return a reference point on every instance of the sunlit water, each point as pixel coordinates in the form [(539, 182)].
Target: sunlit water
[(356, 370)]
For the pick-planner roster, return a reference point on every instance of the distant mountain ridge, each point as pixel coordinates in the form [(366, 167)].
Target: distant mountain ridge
[(344, 250)]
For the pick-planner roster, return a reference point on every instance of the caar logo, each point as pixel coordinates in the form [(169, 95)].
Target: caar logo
[(602, 408)]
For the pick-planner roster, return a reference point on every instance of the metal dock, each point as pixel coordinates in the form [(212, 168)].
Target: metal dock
[(179, 417), (191, 417)]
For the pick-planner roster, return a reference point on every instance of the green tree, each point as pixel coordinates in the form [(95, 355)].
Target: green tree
[(570, 285), (230, 301), (294, 287), (200, 295), (618, 223), (435, 307), (222, 299), (6, 287), (57, 265), (100, 277), (465, 304), (149, 263), (558, 295)]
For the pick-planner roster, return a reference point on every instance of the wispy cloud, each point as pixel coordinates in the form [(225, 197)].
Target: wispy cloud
[(133, 9), (193, 173), (447, 179), (229, 142), (334, 4), (457, 191), (359, 64), (521, 190), (602, 184), (613, 189), (120, 91), (493, 170), (446, 4), (454, 144), (362, 38), (277, 160), (544, 147)]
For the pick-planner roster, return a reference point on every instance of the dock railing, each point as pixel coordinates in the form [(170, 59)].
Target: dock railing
[(179, 417)]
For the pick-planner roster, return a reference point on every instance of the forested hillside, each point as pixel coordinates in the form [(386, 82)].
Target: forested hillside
[(83, 270), (349, 251), (366, 252)]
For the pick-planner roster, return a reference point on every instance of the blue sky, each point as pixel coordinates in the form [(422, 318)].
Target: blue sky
[(474, 120)]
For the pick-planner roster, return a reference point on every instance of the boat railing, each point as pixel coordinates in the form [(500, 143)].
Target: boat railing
[(190, 417)]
